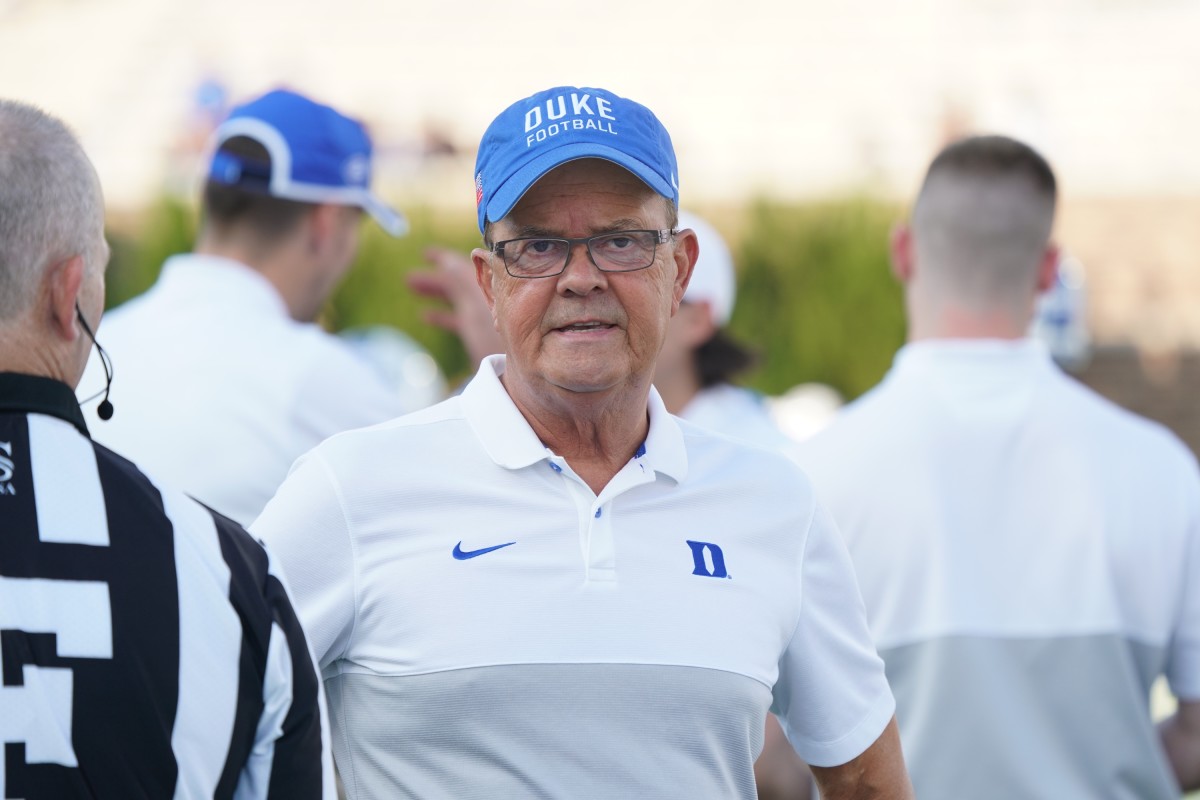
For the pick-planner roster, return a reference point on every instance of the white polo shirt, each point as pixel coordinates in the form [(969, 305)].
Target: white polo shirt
[(1029, 555), (488, 627), (217, 390)]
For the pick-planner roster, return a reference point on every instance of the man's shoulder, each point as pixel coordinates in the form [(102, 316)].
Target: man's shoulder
[(432, 428), (211, 536), (1108, 424), (134, 485), (862, 421), (722, 458), (126, 482), (1065, 410)]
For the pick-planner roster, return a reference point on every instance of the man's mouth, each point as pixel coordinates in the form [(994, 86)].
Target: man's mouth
[(584, 326)]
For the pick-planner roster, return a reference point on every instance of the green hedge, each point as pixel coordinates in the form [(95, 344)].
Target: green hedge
[(816, 295), (816, 299)]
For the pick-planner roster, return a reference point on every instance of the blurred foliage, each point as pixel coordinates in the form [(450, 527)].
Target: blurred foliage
[(815, 296), (141, 245), (374, 293)]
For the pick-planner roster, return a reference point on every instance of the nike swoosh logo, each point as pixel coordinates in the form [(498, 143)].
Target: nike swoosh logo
[(463, 555)]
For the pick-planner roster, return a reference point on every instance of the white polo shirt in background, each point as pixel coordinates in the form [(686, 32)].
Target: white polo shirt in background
[(1029, 555), (738, 412), (217, 390), (488, 627)]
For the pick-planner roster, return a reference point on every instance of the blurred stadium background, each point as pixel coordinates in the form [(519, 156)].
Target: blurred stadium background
[(802, 128), (793, 120)]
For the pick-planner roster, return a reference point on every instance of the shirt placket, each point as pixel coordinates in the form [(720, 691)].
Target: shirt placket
[(596, 515)]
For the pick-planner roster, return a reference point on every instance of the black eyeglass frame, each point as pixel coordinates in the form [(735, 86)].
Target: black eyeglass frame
[(661, 236)]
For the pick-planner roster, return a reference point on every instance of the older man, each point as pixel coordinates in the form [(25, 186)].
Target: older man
[(548, 586), (147, 646), (1028, 552)]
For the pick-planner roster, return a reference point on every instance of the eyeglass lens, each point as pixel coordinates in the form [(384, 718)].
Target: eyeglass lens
[(621, 251)]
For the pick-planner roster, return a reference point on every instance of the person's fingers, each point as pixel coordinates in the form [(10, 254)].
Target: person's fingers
[(446, 320), (446, 259), (428, 284)]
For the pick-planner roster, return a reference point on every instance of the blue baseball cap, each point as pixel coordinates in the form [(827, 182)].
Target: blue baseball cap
[(537, 134), (317, 155)]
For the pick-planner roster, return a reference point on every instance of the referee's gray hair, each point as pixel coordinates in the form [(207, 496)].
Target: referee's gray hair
[(50, 202), (983, 219)]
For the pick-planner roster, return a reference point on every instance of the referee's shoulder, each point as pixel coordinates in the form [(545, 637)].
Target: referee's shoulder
[(245, 557)]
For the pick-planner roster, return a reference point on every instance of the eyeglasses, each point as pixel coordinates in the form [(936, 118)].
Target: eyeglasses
[(620, 251)]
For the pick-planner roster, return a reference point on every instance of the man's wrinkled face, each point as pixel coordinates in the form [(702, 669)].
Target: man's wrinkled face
[(585, 330)]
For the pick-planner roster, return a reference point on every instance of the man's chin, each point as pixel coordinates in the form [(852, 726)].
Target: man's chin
[(587, 381)]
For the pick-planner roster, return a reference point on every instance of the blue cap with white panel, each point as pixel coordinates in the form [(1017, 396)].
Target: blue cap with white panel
[(318, 155)]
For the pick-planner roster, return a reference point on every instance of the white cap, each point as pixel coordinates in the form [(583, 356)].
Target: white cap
[(713, 279)]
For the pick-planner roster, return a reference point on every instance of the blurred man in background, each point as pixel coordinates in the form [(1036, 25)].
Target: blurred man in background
[(223, 377), (147, 645), (1027, 551)]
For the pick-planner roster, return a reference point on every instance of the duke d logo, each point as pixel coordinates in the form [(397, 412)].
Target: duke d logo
[(703, 567)]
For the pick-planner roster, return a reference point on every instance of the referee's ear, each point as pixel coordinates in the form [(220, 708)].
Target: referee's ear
[(61, 284)]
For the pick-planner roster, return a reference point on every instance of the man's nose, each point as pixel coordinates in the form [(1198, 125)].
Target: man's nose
[(581, 275)]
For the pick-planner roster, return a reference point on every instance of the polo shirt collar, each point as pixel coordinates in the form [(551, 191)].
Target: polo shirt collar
[(511, 443), (664, 447), (977, 378), (1017, 356), (34, 394)]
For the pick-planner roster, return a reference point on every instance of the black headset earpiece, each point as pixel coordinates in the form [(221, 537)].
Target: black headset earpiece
[(105, 410)]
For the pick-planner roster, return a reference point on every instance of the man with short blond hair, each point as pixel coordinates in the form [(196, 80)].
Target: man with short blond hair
[(1027, 551), (223, 376)]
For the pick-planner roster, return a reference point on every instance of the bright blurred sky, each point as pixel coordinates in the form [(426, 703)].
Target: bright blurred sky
[(795, 98)]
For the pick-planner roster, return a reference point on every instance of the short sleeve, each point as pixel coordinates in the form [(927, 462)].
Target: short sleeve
[(1183, 662), (308, 535), (832, 695)]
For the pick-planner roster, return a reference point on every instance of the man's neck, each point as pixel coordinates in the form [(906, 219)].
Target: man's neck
[(28, 354), (283, 267), (953, 322), (596, 432)]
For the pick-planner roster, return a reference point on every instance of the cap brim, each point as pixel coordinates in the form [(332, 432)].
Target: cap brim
[(511, 192), (388, 218)]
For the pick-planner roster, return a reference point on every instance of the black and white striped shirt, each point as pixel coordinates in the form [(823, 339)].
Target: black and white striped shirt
[(147, 645)]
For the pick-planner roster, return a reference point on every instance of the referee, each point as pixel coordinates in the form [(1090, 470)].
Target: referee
[(147, 646)]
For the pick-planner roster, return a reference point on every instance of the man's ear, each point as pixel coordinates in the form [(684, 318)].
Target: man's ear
[(900, 248), (61, 284), (322, 222), (686, 251), (1048, 268), (482, 259)]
